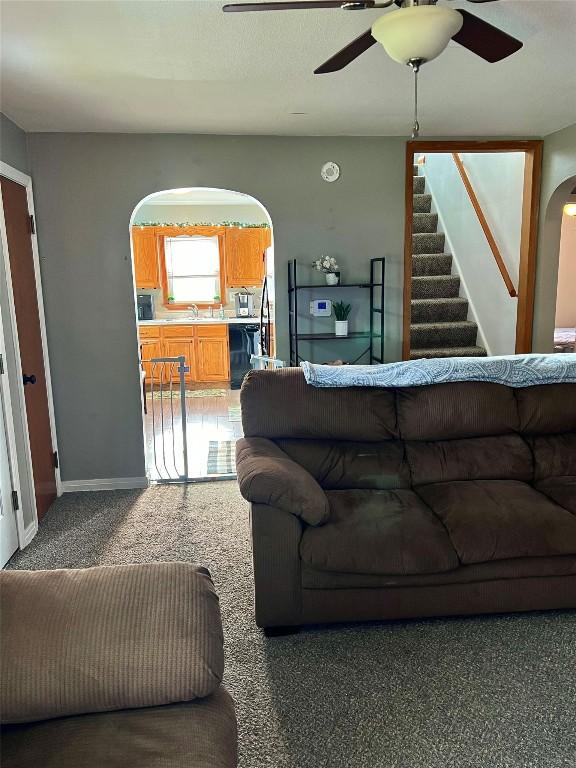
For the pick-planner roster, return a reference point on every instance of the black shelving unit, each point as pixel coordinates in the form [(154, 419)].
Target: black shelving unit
[(375, 332)]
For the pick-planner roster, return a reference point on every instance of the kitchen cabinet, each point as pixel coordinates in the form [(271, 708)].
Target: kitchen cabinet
[(212, 358), (245, 248), (205, 348), (146, 267), (150, 347), (178, 340), (175, 348)]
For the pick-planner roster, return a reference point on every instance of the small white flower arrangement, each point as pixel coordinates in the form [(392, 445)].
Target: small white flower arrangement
[(326, 264)]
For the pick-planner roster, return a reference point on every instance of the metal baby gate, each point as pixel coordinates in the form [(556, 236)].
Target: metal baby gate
[(168, 419)]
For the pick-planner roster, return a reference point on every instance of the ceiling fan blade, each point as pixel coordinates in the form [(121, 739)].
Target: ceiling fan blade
[(285, 6), (484, 39), (347, 54)]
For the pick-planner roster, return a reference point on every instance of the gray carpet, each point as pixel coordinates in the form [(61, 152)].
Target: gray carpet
[(491, 692)]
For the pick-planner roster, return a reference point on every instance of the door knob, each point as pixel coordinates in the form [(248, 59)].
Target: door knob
[(29, 379)]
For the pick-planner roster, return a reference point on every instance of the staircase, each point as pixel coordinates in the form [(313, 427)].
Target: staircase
[(439, 325)]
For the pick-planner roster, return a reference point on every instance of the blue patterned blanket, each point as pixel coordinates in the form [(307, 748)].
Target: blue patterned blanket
[(511, 370)]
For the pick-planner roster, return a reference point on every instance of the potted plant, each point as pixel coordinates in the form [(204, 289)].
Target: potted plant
[(341, 312), (328, 265)]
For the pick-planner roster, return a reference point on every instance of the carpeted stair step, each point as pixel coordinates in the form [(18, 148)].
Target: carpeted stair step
[(422, 203), (419, 184), (424, 222), (439, 310), (429, 354), (428, 242), (438, 335), (435, 287), (431, 264)]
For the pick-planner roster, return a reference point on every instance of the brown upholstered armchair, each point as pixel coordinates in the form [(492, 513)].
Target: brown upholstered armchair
[(116, 666)]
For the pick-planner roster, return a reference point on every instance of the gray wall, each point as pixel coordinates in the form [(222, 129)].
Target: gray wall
[(86, 187), (13, 145), (558, 180)]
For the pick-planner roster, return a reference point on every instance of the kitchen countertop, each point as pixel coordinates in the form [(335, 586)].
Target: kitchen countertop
[(202, 321)]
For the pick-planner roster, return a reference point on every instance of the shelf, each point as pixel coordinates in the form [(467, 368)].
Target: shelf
[(340, 285), (328, 336), (376, 296)]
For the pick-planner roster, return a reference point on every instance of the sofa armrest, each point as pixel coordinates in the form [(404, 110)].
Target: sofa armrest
[(107, 638), (267, 475)]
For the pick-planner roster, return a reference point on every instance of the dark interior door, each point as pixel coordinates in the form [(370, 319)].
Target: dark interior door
[(28, 324)]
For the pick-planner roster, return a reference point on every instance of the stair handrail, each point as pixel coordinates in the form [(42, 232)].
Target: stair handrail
[(485, 226)]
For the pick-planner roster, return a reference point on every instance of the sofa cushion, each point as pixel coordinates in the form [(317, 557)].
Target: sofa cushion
[(378, 532), (548, 409), (457, 409), (278, 404), (507, 457), (198, 734), (554, 455), (500, 519), (97, 639), (562, 490), (341, 465)]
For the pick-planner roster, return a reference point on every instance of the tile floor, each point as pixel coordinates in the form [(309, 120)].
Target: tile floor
[(207, 419)]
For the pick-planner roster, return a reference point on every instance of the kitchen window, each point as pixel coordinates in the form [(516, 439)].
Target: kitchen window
[(193, 270)]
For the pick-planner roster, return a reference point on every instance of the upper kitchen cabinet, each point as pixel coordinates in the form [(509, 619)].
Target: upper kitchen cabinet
[(245, 248), (146, 268)]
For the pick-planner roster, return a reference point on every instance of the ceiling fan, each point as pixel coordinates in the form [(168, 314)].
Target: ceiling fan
[(415, 32)]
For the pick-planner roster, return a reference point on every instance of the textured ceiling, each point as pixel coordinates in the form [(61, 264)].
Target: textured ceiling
[(184, 66)]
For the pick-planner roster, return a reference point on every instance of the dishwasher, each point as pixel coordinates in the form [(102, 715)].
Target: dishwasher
[(244, 341)]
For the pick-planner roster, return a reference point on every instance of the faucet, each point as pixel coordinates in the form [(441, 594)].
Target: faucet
[(195, 311)]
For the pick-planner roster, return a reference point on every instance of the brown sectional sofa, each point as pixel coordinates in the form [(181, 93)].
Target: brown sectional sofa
[(393, 503), (114, 666)]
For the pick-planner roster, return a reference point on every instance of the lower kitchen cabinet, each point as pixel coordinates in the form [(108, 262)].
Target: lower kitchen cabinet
[(176, 348), (212, 359), (205, 348), (149, 348)]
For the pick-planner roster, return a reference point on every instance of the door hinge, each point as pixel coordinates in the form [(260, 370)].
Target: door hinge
[(32, 224), (1, 364), (15, 501), (56, 462)]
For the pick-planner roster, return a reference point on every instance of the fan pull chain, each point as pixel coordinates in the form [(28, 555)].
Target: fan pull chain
[(416, 128)]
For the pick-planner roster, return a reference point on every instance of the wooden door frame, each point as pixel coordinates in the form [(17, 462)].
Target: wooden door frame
[(528, 233), (17, 401)]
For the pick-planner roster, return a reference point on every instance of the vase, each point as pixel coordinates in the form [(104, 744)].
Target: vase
[(332, 278), (341, 327)]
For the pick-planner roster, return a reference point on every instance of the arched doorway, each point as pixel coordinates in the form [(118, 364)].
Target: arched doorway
[(203, 261), (565, 318)]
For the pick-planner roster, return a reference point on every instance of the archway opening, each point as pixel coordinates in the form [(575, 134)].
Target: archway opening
[(204, 295), (565, 317)]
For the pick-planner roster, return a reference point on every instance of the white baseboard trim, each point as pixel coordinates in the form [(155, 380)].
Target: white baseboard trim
[(29, 532), (105, 484)]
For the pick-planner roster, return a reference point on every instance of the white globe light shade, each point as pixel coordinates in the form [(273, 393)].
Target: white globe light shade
[(418, 32)]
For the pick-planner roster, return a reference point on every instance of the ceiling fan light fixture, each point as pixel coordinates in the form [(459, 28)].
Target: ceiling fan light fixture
[(417, 33)]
